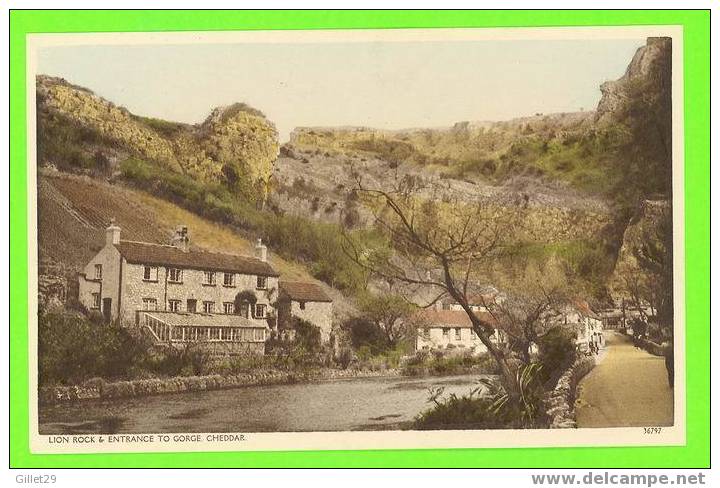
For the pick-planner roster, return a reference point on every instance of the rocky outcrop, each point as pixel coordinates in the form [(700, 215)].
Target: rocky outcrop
[(651, 63), (235, 143), (643, 226)]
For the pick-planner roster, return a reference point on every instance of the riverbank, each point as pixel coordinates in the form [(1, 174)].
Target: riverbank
[(100, 389)]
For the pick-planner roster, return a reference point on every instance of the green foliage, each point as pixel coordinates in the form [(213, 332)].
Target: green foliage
[(459, 412), (591, 260), (163, 127), (440, 363), (366, 335), (556, 353), (526, 411), (188, 360), (389, 314), (307, 335), (67, 144), (319, 245), (489, 406), (72, 348)]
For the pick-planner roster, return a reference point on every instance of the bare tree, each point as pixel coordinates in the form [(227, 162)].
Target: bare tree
[(530, 303), (440, 243)]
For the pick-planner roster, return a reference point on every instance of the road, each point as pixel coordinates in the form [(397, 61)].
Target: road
[(628, 388)]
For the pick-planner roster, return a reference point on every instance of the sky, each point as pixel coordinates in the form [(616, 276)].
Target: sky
[(389, 85)]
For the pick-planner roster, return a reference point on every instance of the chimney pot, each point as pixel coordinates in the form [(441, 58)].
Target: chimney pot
[(112, 233), (181, 240), (261, 251)]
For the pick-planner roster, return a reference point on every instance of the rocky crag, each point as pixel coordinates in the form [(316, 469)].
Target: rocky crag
[(235, 143)]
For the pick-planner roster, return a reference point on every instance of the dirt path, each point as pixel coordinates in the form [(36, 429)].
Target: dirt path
[(628, 388)]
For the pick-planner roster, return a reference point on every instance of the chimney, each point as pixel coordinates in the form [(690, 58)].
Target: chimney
[(112, 233), (261, 251), (180, 239)]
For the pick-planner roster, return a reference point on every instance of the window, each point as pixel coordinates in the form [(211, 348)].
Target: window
[(150, 273), (245, 310), (209, 278), (458, 333), (259, 335), (228, 279), (149, 304), (95, 300), (260, 311), (175, 275), (174, 305), (208, 307), (262, 282), (446, 333), (98, 271), (229, 308), (426, 333), (214, 334), (302, 305), (192, 305)]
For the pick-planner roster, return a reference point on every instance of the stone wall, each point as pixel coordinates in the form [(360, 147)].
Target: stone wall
[(560, 401), (97, 388)]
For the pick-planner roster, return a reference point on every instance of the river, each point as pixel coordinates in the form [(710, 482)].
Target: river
[(335, 405)]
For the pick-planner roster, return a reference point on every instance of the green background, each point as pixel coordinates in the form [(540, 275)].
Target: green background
[(696, 28)]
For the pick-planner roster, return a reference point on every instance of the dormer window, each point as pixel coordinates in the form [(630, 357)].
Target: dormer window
[(209, 278), (262, 282), (150, 273), (98, 271), (175, 275), (228, 279)]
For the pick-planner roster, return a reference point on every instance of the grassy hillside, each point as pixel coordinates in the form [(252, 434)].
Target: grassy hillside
[(73, 212)]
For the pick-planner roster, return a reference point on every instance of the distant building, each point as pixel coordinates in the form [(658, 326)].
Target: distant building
[(306, 301), (450, 329), (587, 324), (183, 295)]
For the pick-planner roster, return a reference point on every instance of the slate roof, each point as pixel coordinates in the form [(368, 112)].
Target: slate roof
[(163, 255), (205, 319), (300, 291), (452, 318)]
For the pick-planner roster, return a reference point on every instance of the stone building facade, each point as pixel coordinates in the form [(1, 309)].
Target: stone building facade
[(306, 301), (182, 294)]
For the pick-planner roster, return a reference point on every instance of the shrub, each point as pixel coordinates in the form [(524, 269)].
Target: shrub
[(556, 352), (489, 407), (72, 348)]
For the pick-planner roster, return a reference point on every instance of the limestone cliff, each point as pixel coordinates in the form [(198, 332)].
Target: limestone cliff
[(80, 130), (651, 64)]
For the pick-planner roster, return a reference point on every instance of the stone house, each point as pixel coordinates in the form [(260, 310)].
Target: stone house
[(587, 324), (451, 329), (306, 301), (183, 295)]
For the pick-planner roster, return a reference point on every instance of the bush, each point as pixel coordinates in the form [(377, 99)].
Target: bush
[(556, 352), (72, 348), (490, 407)]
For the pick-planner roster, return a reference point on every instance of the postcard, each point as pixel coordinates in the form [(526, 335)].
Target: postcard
[(356, 239)]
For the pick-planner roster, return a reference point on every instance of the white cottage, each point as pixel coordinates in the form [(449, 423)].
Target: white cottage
[(181, 294), (452, 329)]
